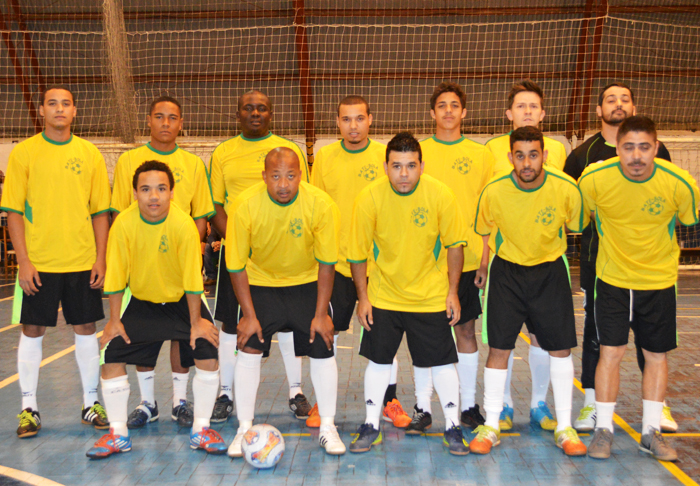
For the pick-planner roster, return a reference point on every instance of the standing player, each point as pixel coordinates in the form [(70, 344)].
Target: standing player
[(526, 109), (193, 195), (236, 165), (343, 169), (637, 199), (57, 201), (615, 104), (154, 283), (406, 219), (465, 166), (525, 212), (282, 248)]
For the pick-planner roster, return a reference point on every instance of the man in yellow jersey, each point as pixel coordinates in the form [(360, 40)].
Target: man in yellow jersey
[(282, 247), (465, 166), (57, 201), (193, 195), (526, 109), (236, 165), (525, 213), (406, 219), (636, 199), (343, 169), (154, 283)]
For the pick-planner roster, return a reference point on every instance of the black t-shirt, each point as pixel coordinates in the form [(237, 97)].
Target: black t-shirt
[(594, 150)]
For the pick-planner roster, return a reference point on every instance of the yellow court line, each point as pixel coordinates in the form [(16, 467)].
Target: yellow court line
[(7, 328), (438, 434), (26, 477), (684, 434), (296, 435), (7, 298)]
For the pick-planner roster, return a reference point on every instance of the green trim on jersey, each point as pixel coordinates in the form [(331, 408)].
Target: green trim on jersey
[(484, 313), (695, 211), (326, 263), (154, 223), (358, 151), (100, 212), (375, 250), (54, 142), (355, 261), (619, 166), (672, 226), (479, 203), (28, 212), (534, 189), (194, 292), (269, 134), (598, 224), (437, 248), (148, 144), (461, 139), (499, 240), (613, 162), (115, 292), (9, 210), (457, 243), (408, 193), (284, 205), (235, 271)]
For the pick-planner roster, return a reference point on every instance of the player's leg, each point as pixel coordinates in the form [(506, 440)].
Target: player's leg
[(392, 410), (147, 410), (505, 421), (115, 391), (205, 387), (226, 310), (182, 408), (590, 350), (538, 359), (29, 355)]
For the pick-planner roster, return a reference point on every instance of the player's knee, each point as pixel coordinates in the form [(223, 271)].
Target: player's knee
[(653, 358), (33, 331), (113, 370), (142, 369), (206, 364), (562, 353), (250, 350), (85, 329), (612, 354), (498, 358)]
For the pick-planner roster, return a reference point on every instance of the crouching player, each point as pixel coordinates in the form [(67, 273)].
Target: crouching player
[(154, 284)]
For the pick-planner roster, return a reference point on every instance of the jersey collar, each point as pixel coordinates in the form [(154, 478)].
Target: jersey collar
[(342, 144), (286, 204), (515, 183), (408, 193), (154, 223), (619, 166), (54, 142), (162, 153), (269, 134), (460, 139)]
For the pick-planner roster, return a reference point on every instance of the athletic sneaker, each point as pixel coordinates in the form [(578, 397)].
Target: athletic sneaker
[(222, 409), (142, 415), (183, 414), (421, 422), (314, 419), (505, 421), (654, 443), (394, 413), (486, 438), (329, 439), (543, 417), (96, 416), (667, 422), (109, 444), (567, 439), (472, 418), (209, 440), (300, 406), (454, 441), (367, 436), (235, 449), (600, 445), (29, 423), (586, 419)]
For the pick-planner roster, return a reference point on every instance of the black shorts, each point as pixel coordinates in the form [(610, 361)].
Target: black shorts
[(429, 337), (81, 304), (148, 325), (469, 298), (226, 305), (343, 301), (280, 309), (650, 313), (539, 293)]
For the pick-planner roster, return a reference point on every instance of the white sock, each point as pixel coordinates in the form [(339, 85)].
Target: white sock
[(539, 369), (467, 369), (394, 371), (494, 385), (227, 362), (377, 378), (87, 354), (147, 386), (507, 399), (604, 415), (180, 381), (335, 344), (423, 378), (446, 384), (247, 382), (292, 363), (28, 364), (205, 386), (324, 376), (562, 371), (115, 393), (651, 415), (589, 397)]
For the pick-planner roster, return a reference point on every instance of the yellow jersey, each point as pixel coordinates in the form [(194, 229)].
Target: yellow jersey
[(500, 147)]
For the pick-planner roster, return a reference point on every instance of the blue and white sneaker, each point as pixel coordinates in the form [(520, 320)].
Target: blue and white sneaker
[(543, 417), (142, 415), (209, 440), (109, 444), (505, 421)]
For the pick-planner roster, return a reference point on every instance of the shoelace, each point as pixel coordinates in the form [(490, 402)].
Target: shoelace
[(26, 418), (570, 434), (209, 435), (395, 409), (99, 410), (482, 433), (587, 411), (105, 441)]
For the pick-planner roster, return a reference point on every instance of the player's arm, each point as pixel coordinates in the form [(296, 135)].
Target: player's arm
[(322, 322), (28, 275), (218, 193), (114, 326), (361, 235), (100, 226), (483, 270), (219, 220), (201, 224), (455, 262), (201, 328), (121, 189), (364, 307), (248, 323)]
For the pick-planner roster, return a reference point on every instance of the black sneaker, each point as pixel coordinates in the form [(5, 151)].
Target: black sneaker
[(222, 409), (300, 406), (420, 422), (367, 436), (454, 441), (472, 418), (183, 414)]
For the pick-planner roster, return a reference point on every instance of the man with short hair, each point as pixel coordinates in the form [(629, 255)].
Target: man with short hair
[(282, 247), (406, 219), (57, 199), (525, 213), (155, 289), (236, 165), (193, 195), (636, 199)]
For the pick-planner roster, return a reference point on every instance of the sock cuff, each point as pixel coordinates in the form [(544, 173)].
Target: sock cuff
[(378, 367), (539, 351), (225, 337), (205, 375), (468, 357), (31, 340), (179, 376), (145, 374), (495, 371), (84, 338), (114, 383), (249, 360)]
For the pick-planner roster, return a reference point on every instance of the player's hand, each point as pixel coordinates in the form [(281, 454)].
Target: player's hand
[(97, 275), (364, 314), (248, 326), (112, 330), (322, 325), (216, 246), (454, 309), (204, 329), (28, 277), (482, 275)]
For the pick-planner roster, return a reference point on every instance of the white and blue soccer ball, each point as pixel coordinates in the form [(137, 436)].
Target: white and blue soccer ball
[(263, 446)]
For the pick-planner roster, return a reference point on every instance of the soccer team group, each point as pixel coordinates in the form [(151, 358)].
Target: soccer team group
[(413, 250)]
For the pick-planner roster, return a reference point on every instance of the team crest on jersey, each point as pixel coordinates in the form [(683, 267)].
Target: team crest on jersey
[(164, 246), (261, 158), (463, 165), (654, 206), (296, 227), (75, 165), (177, 173), (546, 216), (419, 216), (369, 172)]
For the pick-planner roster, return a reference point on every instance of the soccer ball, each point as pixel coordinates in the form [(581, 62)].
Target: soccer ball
[(263, 446)]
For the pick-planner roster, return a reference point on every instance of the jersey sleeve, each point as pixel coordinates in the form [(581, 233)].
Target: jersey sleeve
[(453, 230), (557, 158), (99, 192), (586, 185), (202, 203), (576, 217), (189, 252), (364, 218), (316, 173), (216, 179), (489, 167), (238, 237), (687, 200), (121, 193), (483, 223), (14, 195), (117, 275), (326, 233)]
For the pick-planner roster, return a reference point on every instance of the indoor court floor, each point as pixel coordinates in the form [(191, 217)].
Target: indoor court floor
[(161, 453)]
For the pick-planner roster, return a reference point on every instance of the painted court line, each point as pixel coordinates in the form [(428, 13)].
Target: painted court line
[(26, 477), (7, 328)]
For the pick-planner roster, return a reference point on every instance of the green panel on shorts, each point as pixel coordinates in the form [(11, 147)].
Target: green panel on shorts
[(216, 295), (125, 301), (17, 303), (676, 287), (568, 272), (102, 354), (484, 313)]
